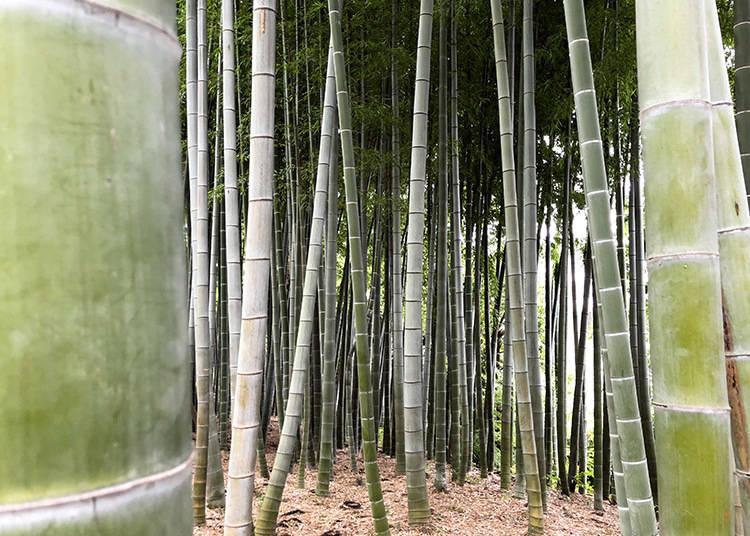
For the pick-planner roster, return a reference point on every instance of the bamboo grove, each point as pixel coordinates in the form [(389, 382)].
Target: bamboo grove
[(487, 239)]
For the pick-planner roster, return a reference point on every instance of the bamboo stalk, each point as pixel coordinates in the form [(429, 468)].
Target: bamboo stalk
[(101, 232), (356, 254), (299, 382), (515, 283), (734, 250), (604, 247), (256, 276), (690, 393)]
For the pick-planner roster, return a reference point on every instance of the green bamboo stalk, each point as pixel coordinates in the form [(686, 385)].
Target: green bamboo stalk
[(515, 283), (561, 376), (615, 322), (442, 331), (623, 507), (396, 302), (742, 81), (469, 320), (459, 340), (414, 394), (256, 276), (479, 419), (231, 195), (281, 296), (214, 471), (276, 330), (328, 391), (201, 263), (369, 434), (455, 436), (506, 432), (690, 393), (598, 428), (298, 384), (223, 345), (101, 232), (734, 250), (530, 248)]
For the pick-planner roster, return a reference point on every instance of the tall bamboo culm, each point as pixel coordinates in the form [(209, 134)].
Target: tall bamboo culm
[(530, 246), (515, 283), (231, 195), (459, 338), (116, 224), (356, 257), (610, 294), (690, 393), (416, 484), (256, 276), (328, 388), (288, 443), (441, 323), (200, 258), (734, 250)]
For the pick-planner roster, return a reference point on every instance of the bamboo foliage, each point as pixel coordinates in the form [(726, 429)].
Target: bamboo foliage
[(113, 222), (610, 293), (256, 276), (515, 283), (690, 392)]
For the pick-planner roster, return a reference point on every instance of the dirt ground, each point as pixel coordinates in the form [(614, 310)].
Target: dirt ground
[(479, 507)]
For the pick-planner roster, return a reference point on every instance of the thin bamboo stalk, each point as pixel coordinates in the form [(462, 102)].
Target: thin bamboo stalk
[(299, 382), (515, 283), (369, 434)]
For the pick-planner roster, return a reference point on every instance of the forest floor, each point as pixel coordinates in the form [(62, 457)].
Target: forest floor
[(480, 507)]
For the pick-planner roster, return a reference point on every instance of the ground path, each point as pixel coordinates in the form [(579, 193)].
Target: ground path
[(477, 508)]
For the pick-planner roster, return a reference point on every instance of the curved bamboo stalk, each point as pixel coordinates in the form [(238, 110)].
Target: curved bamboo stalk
[(256, 276), (231, 195), (269, 511), (734, 251), (101, 231), (356, 254), (690, 393), (604, 252), (515, 283)]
